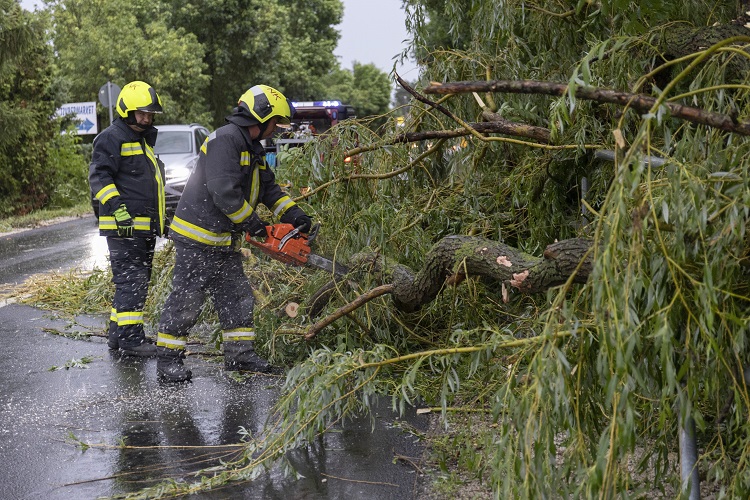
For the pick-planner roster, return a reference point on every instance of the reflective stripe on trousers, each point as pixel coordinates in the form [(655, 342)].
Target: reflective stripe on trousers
[(170, 341), (131, 260), (202, 270), (238, 334)]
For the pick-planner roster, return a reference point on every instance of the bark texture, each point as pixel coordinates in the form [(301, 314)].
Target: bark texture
[(449, 262), (454, 258), (639, 102)]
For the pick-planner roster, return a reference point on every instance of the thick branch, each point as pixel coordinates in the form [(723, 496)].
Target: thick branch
[(455, 257), (639, 102), (342, 311), (438, 107), (497, 126), (474, 256)]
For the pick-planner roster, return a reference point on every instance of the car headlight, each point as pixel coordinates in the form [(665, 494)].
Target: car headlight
[(180, 174), (177, 174)]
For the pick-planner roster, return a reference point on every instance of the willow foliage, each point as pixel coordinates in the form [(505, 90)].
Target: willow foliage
[(586, 384), (605, 369), (660, 327)]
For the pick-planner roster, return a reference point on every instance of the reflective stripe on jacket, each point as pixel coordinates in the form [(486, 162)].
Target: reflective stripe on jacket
[(124, 169), (230, 179)]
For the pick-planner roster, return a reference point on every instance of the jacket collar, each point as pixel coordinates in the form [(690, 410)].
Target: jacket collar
[(149, 134), (254, 144)]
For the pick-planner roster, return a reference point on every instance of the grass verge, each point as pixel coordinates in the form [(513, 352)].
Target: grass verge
[(43, 217)]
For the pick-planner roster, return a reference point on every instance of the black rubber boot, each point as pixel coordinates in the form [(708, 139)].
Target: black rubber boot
[(169, 366), (112, 340), (145, 350), (241, 356)]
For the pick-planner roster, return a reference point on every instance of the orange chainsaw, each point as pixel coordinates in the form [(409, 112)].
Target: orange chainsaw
[(289, 245)]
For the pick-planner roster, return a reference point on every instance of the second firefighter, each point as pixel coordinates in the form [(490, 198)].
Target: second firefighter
[(216, 208)]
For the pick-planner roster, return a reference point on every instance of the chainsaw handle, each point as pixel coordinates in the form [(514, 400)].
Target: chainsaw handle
[(269, 233), (313, 233), (294, 233)]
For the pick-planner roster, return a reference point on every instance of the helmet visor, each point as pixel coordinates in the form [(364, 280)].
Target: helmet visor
[(151, 108)]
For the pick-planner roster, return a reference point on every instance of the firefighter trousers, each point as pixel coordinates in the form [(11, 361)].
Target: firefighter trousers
[(200, 270), (131, 260)]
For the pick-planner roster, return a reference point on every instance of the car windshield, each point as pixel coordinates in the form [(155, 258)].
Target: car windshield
[(173, 142)]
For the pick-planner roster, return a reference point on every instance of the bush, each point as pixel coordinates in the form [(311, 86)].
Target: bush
[(68, 159), (38, 165)]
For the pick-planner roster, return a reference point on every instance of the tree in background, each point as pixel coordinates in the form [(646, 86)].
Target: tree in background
[(38, 165), (200, 55), (283, 43), (365, 87), (372, 90), (106, 40), (306, 54)]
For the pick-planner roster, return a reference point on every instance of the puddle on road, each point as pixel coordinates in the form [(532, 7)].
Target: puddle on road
[(171, 432)]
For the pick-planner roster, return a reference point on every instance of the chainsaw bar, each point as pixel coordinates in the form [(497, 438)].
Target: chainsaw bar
[(327, 265)]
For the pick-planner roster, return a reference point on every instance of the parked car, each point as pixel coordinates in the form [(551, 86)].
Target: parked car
[(178, 147)]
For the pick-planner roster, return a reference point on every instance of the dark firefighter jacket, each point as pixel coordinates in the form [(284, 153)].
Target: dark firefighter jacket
[(125, 170), (229, 180)]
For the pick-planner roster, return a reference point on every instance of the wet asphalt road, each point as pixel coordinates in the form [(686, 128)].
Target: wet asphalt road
[(46, 409), (58, 247)]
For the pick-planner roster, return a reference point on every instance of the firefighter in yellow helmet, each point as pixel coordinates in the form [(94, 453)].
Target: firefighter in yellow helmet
[(215, 210), (128, 182)]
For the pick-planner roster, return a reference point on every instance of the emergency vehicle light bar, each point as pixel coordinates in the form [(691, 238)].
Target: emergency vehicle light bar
[(324, 104)]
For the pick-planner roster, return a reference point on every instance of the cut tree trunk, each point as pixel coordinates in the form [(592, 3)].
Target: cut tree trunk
[(454, 258)]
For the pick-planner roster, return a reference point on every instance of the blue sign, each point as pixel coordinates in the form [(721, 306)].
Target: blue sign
[(84, 116), (85, 126)]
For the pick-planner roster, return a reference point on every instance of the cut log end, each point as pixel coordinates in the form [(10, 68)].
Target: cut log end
[(292, 309)]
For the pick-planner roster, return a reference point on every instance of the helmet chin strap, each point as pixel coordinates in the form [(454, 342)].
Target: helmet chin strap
[(133, 123), (130, 119), (263, 126)]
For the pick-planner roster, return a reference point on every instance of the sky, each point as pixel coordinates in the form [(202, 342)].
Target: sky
[(373, 31)]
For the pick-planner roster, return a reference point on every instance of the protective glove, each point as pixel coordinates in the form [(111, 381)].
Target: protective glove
[(254, 226), (124, 222), (304, 223)]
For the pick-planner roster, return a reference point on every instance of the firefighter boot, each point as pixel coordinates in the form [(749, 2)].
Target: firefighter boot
[(145, 349), (133, 342), (241, 356), (169, 365), (112, 340)]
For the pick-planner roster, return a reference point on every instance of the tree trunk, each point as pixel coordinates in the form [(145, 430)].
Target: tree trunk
[(454, 258)]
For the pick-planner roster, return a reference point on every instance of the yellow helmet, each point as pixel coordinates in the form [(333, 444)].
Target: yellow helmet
[(264, 102), (138, 96)]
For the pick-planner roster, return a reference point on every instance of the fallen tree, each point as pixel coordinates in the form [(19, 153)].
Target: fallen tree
[(583, 386)]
